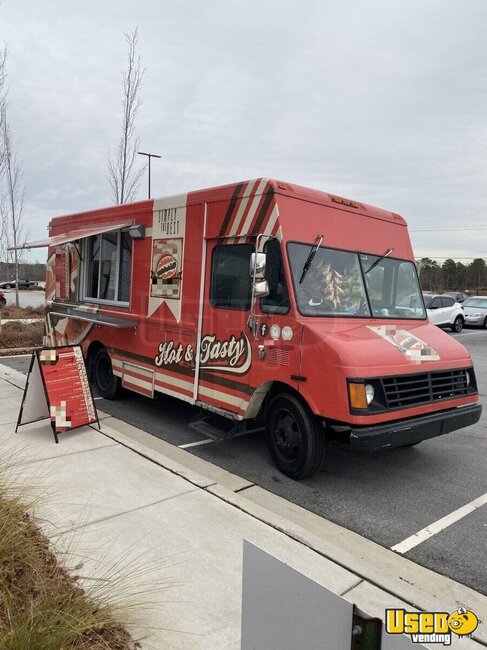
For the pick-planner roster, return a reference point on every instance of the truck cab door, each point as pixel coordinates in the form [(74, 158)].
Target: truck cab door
[(225, 347), (278, 333), (237, 354)]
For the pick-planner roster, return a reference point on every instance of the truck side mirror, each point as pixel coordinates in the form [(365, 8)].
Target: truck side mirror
[(261, 288), (257, 266)]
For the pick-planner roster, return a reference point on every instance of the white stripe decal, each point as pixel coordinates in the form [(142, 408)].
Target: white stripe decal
[(253, 207), (130, 379), (141, 390), (272, 220), (241, 208), (173, 393), (180, 383), (224, 397)]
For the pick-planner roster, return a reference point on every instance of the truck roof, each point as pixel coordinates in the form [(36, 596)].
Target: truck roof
[(224, 192)]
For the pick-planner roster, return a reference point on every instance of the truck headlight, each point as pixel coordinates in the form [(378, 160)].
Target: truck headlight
[(360, 394), (369, 393)]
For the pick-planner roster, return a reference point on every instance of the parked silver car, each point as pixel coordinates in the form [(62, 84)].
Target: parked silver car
[(475, 309)]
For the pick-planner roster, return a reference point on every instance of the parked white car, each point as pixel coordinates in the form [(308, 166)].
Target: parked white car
[(444, 311), (476, 311)]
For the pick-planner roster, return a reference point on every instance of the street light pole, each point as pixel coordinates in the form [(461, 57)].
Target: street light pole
[(149, 156)]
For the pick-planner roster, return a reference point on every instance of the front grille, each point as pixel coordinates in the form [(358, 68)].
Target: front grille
[(411, 390)]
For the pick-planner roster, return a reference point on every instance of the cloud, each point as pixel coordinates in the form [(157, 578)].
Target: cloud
[(383, 102)]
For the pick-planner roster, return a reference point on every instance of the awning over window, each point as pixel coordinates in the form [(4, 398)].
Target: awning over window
[(77, 233)]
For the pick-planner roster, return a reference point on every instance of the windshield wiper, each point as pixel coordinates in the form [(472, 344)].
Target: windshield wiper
[(379, 259), (310, 257)]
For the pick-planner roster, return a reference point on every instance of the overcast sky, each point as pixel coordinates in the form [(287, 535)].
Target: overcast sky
[(382, 101)]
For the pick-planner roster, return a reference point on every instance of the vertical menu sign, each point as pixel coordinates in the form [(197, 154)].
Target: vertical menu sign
[(67, 397)]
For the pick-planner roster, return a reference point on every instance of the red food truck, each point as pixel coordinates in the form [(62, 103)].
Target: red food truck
[(268, 303)]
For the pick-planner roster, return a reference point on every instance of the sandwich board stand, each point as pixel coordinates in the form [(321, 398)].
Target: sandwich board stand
[(58, 388)]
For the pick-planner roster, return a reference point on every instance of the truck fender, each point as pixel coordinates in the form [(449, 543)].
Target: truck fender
[(264, 393)]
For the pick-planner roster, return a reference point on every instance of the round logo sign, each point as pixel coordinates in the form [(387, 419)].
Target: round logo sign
[(166, 267), (275, 331)]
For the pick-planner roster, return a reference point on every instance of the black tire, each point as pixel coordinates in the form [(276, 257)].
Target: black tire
[(106, 383), (8, 286), (485, 323), (457, 324), (295, 437)]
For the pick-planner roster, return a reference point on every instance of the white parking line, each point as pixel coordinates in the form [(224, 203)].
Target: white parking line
[(441, 524), (196, 444)]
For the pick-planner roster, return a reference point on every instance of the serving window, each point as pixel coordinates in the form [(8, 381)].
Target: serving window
[(108, 261)]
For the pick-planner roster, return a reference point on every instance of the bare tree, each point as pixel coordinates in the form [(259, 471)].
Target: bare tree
[(11, 202), (3, 101), (123, 179), (3, 116)]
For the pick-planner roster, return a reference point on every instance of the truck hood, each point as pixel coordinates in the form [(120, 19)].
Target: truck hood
[(375, 347)]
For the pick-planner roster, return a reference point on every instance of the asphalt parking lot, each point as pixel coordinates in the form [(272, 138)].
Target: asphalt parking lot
[(387, 497)]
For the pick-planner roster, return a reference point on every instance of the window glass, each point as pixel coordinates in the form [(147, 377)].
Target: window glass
[(475, 302), (333, 284), (435, 303), (108, 262), (447, 302), (125, 267), (277, 302), (108, 266), (393, 287), (231, 285), (93, 259)]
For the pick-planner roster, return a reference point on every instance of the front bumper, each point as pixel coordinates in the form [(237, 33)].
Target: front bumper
[(407, 432)]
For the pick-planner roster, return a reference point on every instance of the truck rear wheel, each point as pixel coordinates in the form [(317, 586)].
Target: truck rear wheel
[(105, 381), (295, 437)]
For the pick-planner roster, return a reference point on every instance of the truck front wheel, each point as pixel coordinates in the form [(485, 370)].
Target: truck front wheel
[(105, 381), (295, 437)]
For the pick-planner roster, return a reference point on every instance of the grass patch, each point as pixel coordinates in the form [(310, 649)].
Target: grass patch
[(21, 335), (42, 605), (11, 311)]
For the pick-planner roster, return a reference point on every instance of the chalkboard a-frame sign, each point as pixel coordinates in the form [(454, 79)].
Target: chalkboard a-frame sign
[(58, 388)]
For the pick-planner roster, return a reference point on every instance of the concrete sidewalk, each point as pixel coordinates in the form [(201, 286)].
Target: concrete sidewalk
[(130, 504)]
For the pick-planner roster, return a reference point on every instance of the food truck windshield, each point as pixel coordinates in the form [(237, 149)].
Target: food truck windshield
[(350, 284)]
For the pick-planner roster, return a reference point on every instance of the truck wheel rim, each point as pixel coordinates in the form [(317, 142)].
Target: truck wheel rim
[(104, 374), (287, 436)]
